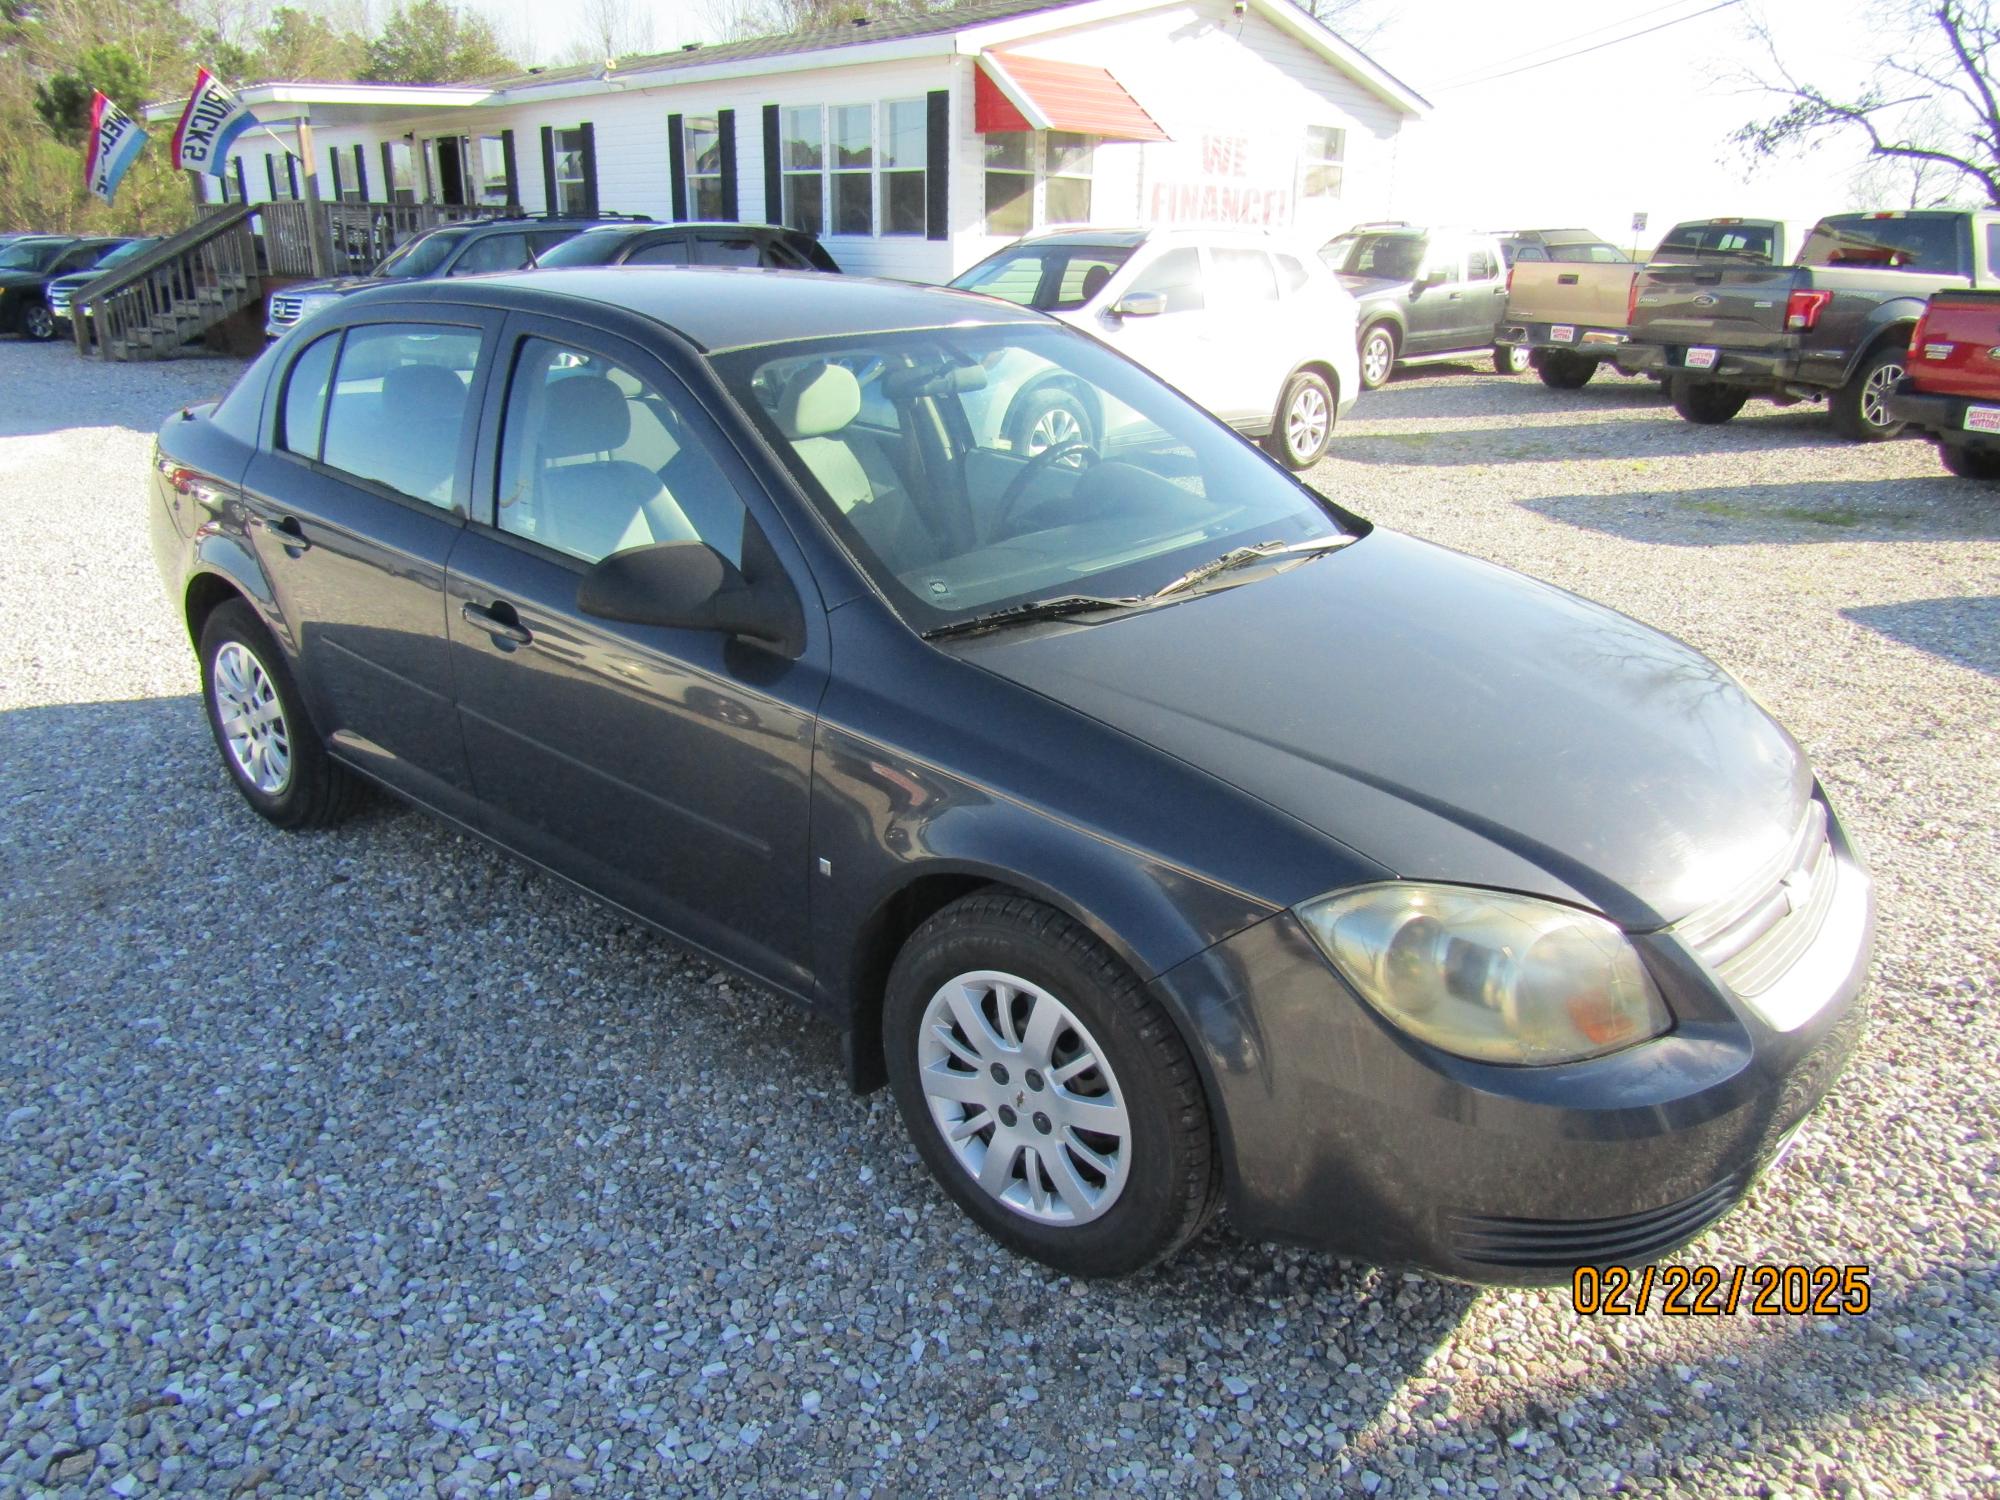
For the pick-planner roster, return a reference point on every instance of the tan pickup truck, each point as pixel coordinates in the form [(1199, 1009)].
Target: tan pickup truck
[(1574, 316)]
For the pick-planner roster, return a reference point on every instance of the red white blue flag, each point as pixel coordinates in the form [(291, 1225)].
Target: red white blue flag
[(210, 124), (115, 139)]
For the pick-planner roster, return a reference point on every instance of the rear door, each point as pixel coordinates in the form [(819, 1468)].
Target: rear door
[(1485, 301)]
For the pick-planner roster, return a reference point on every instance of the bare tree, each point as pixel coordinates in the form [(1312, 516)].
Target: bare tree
[(1938, 69), (608, 29)]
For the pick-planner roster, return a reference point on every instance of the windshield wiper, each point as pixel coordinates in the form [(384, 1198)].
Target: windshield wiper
[(1242, 556), (1053, 608)]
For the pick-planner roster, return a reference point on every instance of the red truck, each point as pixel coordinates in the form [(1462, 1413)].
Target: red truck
[(1952, 386)]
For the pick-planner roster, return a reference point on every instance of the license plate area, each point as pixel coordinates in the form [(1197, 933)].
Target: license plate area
[(1562, 333), (1982, 419), (1699, 359)]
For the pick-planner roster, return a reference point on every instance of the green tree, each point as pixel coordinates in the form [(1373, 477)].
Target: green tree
[(433, 41), (299, 44), (63, 101)]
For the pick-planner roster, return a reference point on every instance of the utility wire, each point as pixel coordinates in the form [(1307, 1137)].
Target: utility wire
[(1581, 36), (1586, 51)]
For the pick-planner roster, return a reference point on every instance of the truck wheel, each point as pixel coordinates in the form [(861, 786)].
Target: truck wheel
[(1860, 408), (1510, 359), (1706, 402), (1378, 356), (1563, 372), (1970, 463)]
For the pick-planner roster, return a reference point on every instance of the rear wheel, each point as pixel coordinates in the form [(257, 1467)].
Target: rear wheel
[(1706, 402), (1564, 372), (1046, 1089), (1860, 408), (268, 744), (1510, 359), (1970, 463), (1305, 422), (1378, 356), (37, 322)]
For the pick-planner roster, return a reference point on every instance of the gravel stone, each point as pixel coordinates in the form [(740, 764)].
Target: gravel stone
[(374, 1162)]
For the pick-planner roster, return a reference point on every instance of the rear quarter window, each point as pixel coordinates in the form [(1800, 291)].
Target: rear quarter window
[(1887, 244)]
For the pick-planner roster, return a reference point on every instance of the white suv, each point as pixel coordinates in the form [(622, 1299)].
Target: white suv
[(1251, 327)]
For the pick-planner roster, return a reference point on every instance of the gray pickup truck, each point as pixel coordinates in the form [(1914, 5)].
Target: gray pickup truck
[(1835, 327)]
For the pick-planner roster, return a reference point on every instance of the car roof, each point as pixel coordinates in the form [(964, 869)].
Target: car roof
[(727, 307), (740, 226)]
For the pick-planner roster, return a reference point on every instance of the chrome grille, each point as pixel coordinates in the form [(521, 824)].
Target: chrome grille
[(285, 309), (59, 300), (1752, 936)]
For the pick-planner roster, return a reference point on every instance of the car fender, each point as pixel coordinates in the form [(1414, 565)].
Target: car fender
[(220, 558), (1367, 317), (1896, 318)]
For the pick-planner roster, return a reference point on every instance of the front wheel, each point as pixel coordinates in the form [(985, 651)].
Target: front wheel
[(1378, 356), (1049, 418), (1861, 407), (1305, 422), (1564, 372), (1705, 402), (268, 744), (1046, 1090), (37, 322), (1510, 359), (1970, 463)]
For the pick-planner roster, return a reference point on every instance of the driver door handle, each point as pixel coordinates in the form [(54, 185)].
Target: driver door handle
[(499, 621)]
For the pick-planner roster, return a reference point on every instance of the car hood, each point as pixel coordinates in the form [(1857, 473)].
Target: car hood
[(338, 286), (1449, 719), (1361, 288), (10, 279)]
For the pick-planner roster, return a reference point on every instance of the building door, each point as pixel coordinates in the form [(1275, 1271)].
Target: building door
[(451, 169)]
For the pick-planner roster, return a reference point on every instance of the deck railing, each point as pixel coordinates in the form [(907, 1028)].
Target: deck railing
[(350, 238), (154, 303)]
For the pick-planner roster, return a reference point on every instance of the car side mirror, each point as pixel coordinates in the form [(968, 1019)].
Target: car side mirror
[(691, 586), (1431, 278), (1140, 305)]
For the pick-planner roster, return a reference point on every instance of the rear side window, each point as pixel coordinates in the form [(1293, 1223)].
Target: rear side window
[(495, 252), (665, 253), (739, 250), (1890, 244), (304, 408), (1291, 275), (399, 407), (1178, 275)]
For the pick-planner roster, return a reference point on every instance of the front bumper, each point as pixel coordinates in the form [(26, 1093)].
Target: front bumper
[(1341, 1132), (1942, 417)]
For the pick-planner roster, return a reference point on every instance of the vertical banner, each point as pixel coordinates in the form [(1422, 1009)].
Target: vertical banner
[(210, 124), (115, 139)]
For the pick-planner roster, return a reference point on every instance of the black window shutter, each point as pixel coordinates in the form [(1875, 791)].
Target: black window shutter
[(242, 183), (508, 166), (774, 183), (388, 173), (549, 169), (292, 174), (677, 167), (271, 174), (333, 160), (937, 165), (725, 121), (361, 171), (589, 134)]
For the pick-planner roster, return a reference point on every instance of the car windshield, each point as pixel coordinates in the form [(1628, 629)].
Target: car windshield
[(969, 470), (1053, 278), (422, 256), (1386, 257), (31, 255)]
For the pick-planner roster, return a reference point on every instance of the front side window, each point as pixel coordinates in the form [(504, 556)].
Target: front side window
[(701, 150), (572, 189), (1053, 278), (665, 253), (905, 150), (1177, 276), (492, 252), (913, 447), (423, 256), (398, 409), (1323, 162), (1381, 257), (595, 459)]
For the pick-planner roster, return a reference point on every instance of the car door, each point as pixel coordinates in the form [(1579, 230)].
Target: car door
[(1246, 341), (1175, 344), (1485, 300), (668, 769), (1436, 314), (491, 252)]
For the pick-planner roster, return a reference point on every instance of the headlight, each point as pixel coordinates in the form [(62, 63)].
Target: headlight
[(1498, 978)]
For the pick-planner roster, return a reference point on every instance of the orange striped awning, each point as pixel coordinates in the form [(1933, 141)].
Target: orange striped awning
[(1012, 92)]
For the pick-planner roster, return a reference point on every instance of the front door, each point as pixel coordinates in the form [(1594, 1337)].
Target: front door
[(668, 769), (1179, 344), (354, 511), (1437, 312)]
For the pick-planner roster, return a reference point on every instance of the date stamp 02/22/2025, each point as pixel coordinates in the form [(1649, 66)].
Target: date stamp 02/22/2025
[(1764, 1291)]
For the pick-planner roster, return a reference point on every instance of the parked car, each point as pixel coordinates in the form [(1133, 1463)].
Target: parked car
[(28, 266), (1162, 831), (468, 248), (1952, 389), (1836, 327), (704, 243), (62, 290), (1571, 246), (1243, 323), (1423, 294)]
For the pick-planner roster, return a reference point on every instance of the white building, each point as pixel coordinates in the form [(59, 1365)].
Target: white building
[(913, 146)]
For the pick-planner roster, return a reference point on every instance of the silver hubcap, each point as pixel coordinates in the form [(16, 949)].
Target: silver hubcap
[(1874, 395), (1055, 427), (40, 323), (1024, 1097), (1376, 358), (1517, 359), (1307, 422), (252, 719)]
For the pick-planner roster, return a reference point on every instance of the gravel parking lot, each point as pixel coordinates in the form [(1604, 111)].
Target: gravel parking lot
[(372, 1162)]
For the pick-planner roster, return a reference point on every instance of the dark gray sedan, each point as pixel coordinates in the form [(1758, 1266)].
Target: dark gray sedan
[(1163, 834)]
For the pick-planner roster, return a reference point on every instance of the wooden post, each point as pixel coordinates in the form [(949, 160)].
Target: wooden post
[(318, 246)]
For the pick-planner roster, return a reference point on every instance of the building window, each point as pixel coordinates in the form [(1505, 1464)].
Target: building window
[(398, 163), (905, 150), (852, 159), (804, 164), (489, 159), (701, 149), (1010, 183), (572, 191), (1325, 151), (1066, 160), (1037, 177)]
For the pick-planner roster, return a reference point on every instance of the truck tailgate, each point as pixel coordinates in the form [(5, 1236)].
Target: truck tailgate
[(1730, 307), (1585, 294), (1957, 351)]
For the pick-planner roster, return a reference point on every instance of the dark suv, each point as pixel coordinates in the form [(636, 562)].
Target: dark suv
[(463, 249), (1423, 294), (708, 243)]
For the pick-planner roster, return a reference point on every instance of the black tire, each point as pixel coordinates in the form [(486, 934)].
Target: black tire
[(37, 322), (1704, 401), (1562, 371), (1172, 1181), (1378, 363), (1059, 415), (1856, 407), (1510, 359), (316, 792), (1970, 463), (1301, 444)]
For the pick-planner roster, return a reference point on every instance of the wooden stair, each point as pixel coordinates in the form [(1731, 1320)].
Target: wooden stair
[(154, 306)]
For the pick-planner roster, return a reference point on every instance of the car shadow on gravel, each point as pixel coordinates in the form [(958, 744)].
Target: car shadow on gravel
[(1870, 510), (1546, 442), (1475, 391), (1963, 631)]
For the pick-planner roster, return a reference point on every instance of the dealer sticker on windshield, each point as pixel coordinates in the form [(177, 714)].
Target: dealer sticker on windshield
[(1562, 333), (1982, 419), (1699, 359)]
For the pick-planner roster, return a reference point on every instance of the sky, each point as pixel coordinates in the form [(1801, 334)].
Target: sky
[(1635, 126)]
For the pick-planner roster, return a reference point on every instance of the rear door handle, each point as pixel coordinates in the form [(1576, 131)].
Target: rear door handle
[(290, 534), (501, 626)]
